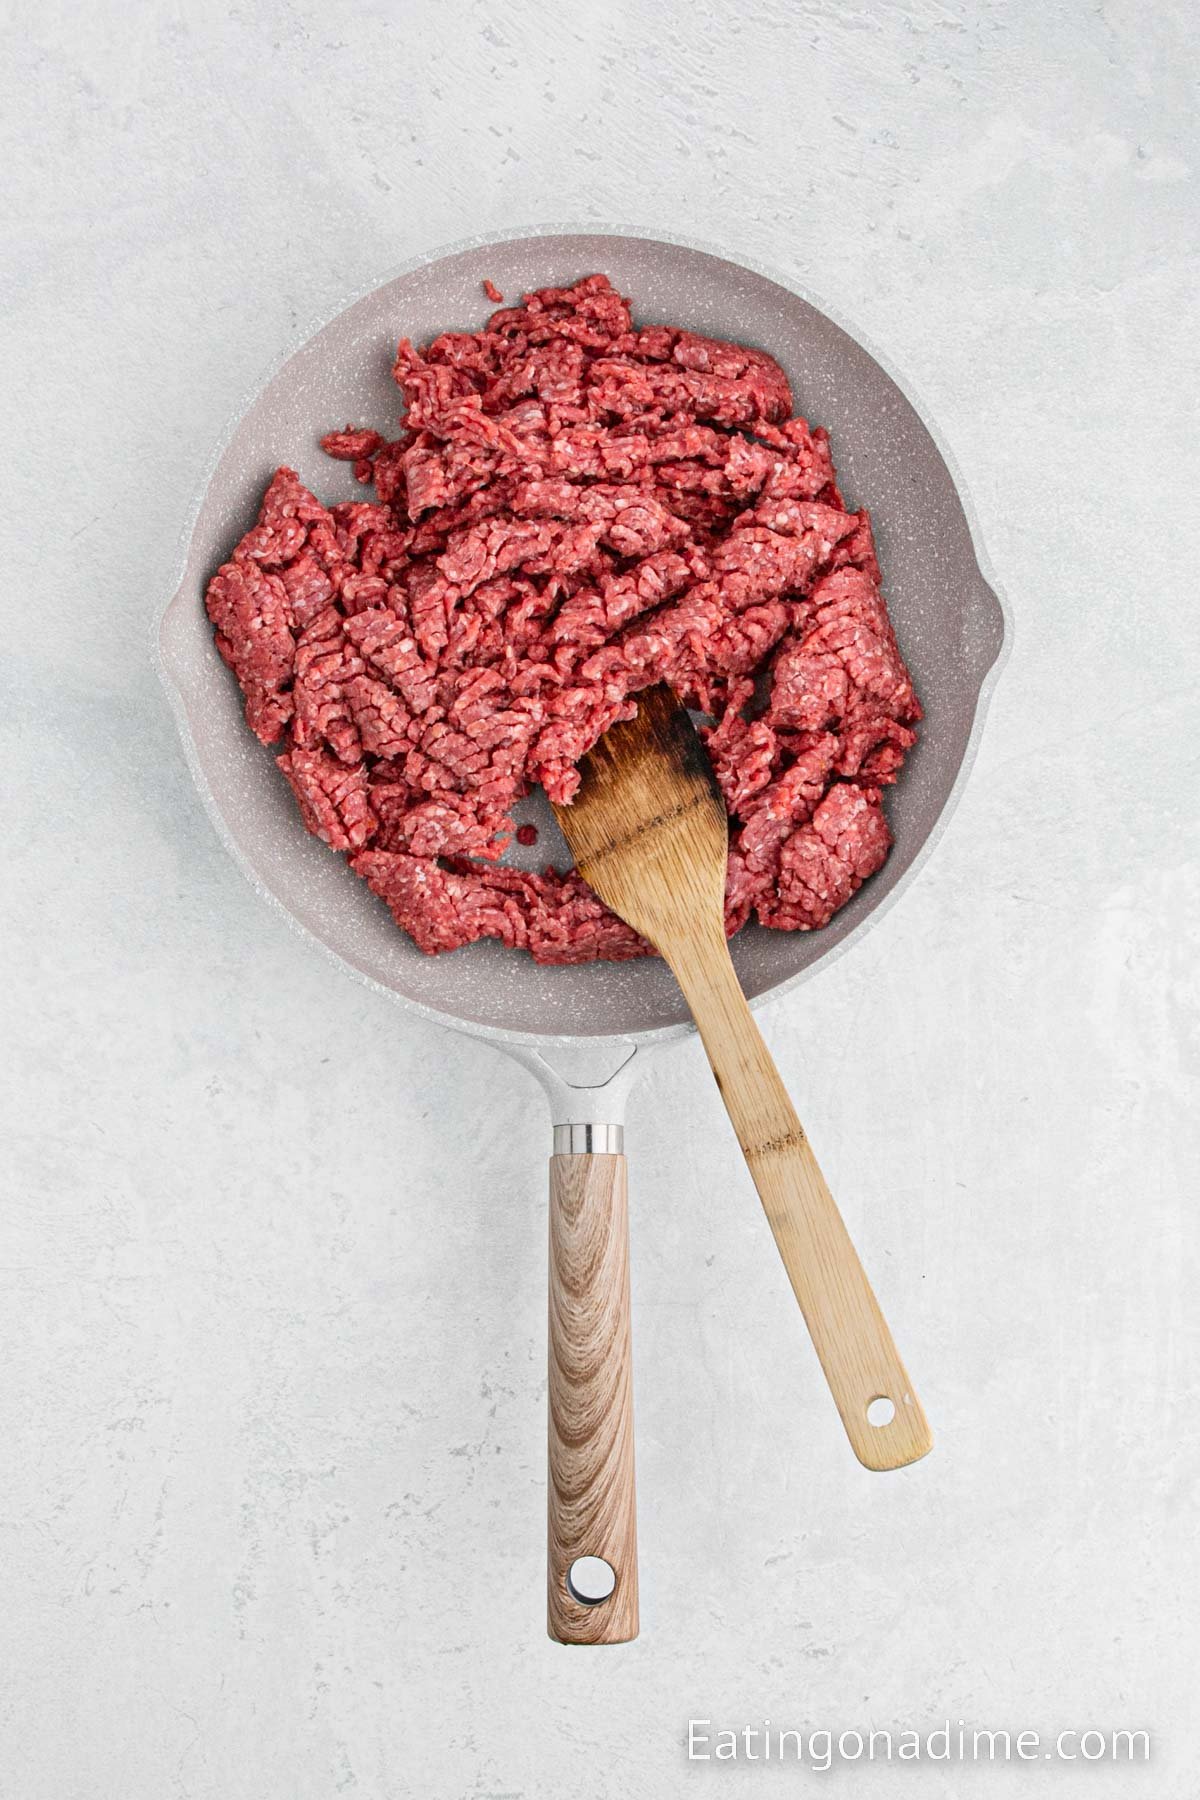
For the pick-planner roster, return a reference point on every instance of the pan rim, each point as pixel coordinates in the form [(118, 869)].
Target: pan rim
[(647, 1035)]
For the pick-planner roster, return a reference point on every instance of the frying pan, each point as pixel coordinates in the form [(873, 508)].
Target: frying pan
[(583, 1032)]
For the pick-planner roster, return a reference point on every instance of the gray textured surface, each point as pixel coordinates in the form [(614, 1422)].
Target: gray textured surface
[(272, 1251)]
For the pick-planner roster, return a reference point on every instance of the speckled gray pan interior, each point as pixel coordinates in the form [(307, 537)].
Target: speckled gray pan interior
[(949, 621)]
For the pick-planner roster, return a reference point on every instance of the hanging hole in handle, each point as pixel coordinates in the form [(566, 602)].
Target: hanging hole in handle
[(881, 1411), (591, 1580)]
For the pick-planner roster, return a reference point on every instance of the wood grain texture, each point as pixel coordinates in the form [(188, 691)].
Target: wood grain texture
[(591, 1495), (650, 837)]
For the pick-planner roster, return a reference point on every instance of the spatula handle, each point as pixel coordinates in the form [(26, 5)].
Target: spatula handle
[(592, 1510), (861, 1363)]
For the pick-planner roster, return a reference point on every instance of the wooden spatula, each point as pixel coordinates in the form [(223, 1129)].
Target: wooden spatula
[(650, 837)]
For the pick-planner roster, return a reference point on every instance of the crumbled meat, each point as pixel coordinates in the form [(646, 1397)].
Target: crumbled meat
[(255, 620), (572, 510), (334, 801), (352, 444)]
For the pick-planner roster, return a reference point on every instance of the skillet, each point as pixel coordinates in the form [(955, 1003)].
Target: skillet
[(584, 1032)]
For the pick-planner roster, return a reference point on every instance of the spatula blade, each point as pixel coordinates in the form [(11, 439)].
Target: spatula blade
[(648, 827)]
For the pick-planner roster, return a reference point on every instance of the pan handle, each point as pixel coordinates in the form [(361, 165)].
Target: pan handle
[(592, 1573)]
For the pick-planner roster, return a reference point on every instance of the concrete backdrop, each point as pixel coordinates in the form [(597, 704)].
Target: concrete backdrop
[(271, 1401)]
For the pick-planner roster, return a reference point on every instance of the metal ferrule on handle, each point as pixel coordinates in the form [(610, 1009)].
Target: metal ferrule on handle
[(589, 1140)]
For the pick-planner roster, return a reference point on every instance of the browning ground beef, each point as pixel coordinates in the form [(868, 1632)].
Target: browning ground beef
[(574, 508)]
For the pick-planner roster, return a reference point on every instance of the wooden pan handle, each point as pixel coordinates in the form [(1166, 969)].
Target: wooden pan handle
[(861, 1363), (592, 1510)]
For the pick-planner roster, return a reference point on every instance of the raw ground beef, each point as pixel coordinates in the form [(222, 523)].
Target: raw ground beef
[(573, 510)]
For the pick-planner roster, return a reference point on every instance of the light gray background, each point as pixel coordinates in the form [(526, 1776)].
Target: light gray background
[(272, 1251)]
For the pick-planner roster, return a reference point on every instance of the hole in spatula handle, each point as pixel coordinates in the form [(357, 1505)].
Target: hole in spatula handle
[(591, 1580), (881, 1411)]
